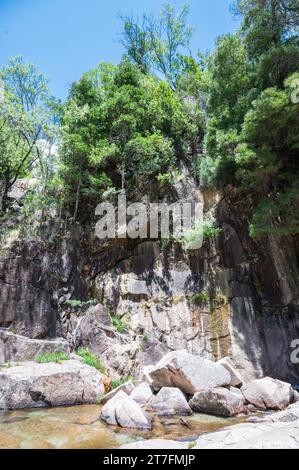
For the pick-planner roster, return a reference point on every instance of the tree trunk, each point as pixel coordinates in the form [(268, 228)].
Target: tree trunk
[(77, 200)]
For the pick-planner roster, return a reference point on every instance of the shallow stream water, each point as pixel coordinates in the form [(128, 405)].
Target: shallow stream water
[(79, 427)]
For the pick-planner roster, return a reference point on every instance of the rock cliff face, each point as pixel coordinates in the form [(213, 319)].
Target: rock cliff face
[(233, 297)]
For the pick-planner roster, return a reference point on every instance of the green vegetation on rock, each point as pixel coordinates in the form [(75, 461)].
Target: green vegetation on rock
[(57, 357), (90, 359)]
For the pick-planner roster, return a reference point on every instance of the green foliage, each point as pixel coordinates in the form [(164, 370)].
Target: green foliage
[(80, 303), (118, 323), (158, 43), (90, 359), (201, 298), (148, 155), (252, 129), (120, 129), (213, 299), (203, 230), (210, 230), (117, 383), (168, 179), (27, 126), (267, 23), (74, 303), (276, 215), (57, 357)]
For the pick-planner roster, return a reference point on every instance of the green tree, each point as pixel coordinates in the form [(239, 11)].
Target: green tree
[(158, 43), (25, 122), (121, 128), (136, 41)]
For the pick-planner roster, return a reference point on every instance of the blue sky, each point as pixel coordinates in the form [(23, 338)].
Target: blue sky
[(64, 38)]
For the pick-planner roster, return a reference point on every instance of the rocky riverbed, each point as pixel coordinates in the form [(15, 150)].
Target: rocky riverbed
[(184, 401), (79, 427)]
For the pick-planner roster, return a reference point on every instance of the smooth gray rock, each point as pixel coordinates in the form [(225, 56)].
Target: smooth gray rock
[(142, 393), (236, 378), (155, 444), (170, 402), (276, 435), (123, 411), (33, 385), (268, 393), (218, 401), (187, 372), (127, 387), (15, 347)]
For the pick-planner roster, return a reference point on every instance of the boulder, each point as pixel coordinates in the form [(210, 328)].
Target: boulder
[(156, 444), (90, 329), (269, 435), (268, 393), (33, 385), (187, 372), (169, 402), (218, 401), (142, 393), (126, 387), (123, 411), (236, 378), (15, 347)]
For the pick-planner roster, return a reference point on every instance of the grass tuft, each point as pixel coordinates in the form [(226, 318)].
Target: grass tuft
[(57, 357), (90, 359)]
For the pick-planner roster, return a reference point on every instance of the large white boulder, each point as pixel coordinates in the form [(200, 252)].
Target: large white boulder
[(169, 402), (268, 393), (142, 393), (218, 401), (187, 372), (33, 385), (123, 411)]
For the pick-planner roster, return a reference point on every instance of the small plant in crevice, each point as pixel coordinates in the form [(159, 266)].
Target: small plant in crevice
[(213, 299), (118, 323), (80, 303), (57, 357), (201, 298), (118, 383), (90, 359)]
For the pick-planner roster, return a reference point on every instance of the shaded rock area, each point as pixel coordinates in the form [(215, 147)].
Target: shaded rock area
[(27, 302), (15, 347), (219, 316), (232, 298), (123, 411), (218, 401), (33, 385)]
